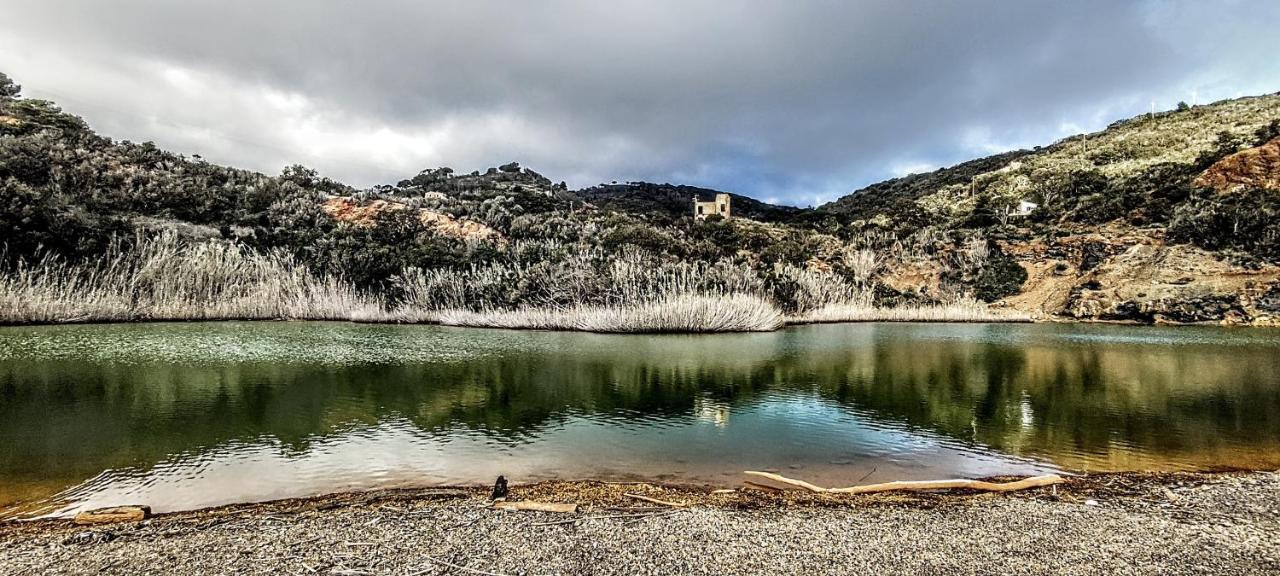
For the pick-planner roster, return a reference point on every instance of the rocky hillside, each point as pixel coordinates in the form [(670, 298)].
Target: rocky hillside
[(1169, 217)]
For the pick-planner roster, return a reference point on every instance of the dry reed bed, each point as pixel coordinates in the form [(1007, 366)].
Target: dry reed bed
[(165, 278), (959, 311), (681, 313)]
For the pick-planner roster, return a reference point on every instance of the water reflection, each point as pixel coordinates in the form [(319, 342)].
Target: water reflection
[(185, 415)]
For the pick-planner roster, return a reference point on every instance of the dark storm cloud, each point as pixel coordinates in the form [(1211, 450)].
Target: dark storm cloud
[(794, 100)]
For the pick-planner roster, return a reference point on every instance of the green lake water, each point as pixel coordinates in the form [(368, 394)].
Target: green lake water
[(181, 416)]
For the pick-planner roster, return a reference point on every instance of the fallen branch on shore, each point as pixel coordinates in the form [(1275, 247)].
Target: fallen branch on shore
[(1032, 482), (655, 500)]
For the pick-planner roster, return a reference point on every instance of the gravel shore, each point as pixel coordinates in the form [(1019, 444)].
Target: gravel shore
[(1118, 524)]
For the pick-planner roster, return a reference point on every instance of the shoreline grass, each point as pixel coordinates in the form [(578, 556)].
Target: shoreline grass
[(960, 311), (688, 313), (165, 278)]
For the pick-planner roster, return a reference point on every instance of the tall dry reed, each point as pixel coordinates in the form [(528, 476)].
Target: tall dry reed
[(682, 313), (862, 310), (165, 278)]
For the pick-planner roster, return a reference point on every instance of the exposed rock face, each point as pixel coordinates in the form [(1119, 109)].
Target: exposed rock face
[(450, 226), (1253, 168), (1133, 277), (348, 210), (1269, 301)]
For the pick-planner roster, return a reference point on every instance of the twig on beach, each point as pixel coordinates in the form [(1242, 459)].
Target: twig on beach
[(1032, 482), (556, 522), (301, 542), (644, 515), (609, 516), (632, 508), (868, 474), (455, 567), (655, 500), (759, 486)]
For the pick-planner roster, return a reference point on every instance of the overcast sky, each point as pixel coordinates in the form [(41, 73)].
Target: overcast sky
[(788, 101)]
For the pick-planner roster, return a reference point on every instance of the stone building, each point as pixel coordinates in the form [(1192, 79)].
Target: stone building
[(718, 206)]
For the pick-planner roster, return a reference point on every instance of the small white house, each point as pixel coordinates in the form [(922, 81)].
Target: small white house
[(1025, 208), (718, 206)]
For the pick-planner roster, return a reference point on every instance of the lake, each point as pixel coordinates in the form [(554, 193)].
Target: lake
[(181, 416)]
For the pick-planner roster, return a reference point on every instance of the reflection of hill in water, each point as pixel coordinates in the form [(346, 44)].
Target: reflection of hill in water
[(1021, 389)]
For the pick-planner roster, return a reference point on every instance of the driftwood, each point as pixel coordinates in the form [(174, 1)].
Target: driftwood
[(761, 487), (537, 506), (1032, 482), (655, 500), (116, 514)]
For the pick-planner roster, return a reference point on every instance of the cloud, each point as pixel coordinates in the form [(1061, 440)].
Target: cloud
[(801, 101)]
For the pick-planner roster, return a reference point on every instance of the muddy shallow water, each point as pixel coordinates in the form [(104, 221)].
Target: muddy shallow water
[(182, 416)]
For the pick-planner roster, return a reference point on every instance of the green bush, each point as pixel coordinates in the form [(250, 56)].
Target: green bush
[(1001, 277), (1244, 220)]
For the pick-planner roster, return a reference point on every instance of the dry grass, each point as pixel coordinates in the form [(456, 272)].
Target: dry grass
[(164, 278), (681, 313), (167, 279), (963, 310)]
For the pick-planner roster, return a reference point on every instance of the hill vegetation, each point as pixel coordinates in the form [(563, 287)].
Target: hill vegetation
[(508, 245)]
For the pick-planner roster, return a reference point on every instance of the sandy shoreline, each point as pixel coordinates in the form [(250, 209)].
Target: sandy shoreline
[(1185, 523)]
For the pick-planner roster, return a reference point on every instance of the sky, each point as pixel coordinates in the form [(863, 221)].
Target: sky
[(789, 101)]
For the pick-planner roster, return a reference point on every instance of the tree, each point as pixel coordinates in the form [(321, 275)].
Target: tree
[(8, 90)]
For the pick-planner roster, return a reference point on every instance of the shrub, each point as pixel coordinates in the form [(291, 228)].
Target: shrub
[(1243, 220), (1002, 276)]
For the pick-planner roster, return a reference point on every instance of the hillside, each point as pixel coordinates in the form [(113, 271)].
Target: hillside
[(1162, 218), (1167, 217)]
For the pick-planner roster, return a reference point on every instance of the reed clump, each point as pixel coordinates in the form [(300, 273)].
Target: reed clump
[(165, 278), (862, 310), (684, 313), (594, 291)]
